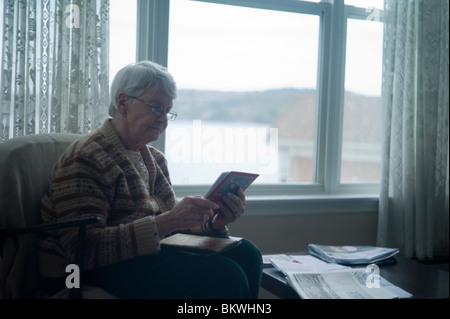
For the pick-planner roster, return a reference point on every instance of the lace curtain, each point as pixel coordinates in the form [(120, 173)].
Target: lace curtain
[(54, 66), (413, 212)]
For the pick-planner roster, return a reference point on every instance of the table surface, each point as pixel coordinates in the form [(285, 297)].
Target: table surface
[(422, 281)]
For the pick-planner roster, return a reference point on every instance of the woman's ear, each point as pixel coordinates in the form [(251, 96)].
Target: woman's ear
[(121, 102)]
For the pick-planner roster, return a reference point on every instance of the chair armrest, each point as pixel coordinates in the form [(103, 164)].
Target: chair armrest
[(78, 222), (8, 232)]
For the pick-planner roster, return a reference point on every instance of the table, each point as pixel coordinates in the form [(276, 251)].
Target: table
[(422, 281)]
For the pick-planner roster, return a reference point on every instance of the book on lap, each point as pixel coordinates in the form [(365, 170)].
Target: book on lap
[(199, 243)]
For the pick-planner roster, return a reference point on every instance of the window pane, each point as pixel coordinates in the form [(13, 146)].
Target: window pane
[(361, 143), (366, 3), (122, 39), (247, 92)]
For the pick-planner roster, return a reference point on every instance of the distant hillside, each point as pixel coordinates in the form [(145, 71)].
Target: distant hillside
[(252, 106), (290, 110)]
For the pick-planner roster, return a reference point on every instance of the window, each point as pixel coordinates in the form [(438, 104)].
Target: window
[(247, 92), (280, 80)]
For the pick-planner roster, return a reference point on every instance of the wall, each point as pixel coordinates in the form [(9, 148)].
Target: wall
[(291, 233)]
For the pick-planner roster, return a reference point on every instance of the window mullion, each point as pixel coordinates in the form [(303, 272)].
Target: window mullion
[(152, 31), (335, 102), (322, 98)]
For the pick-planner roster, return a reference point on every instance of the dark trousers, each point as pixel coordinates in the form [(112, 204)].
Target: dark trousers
[(233, 274)]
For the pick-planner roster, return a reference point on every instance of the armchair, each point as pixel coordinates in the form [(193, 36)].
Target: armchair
[(25, 167)]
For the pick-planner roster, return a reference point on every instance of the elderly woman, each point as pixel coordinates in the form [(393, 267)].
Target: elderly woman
[(112, 173)]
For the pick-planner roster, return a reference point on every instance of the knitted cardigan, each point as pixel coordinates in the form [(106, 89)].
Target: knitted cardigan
[(94, 177)]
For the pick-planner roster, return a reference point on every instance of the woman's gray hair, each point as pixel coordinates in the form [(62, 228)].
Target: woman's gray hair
[(135, 78)]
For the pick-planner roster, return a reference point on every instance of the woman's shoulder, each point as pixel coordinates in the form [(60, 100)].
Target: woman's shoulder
[(102, 140), (91, 150), (84, 145)]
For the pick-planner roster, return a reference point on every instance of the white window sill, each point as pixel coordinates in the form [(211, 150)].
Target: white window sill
[(260, 204)]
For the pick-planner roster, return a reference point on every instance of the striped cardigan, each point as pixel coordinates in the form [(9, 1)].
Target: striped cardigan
[(94, 177)]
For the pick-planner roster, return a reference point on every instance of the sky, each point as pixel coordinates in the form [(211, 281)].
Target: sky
[(230, 48)]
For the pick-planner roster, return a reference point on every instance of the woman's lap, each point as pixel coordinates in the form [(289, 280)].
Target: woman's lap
[(236, 273)]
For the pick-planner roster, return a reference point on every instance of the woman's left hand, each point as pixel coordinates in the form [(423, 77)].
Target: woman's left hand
[(232, 206)]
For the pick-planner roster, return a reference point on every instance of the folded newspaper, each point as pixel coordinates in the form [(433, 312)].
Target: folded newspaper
[(313, 278), (344, 284), (351, 255)]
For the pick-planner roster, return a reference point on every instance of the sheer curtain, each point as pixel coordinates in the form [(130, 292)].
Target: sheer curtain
[(54, 66), (413, 211)]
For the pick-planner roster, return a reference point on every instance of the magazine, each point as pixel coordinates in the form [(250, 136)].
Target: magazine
[(352, 255), (229, 182)]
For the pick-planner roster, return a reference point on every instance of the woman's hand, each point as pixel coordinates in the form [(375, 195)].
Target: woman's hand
[(190, 212), (232, 206)]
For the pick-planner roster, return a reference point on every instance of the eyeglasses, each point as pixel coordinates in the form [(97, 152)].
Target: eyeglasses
[(159, 110)]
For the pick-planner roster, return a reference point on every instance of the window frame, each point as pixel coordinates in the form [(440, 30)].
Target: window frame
[(326, 193)]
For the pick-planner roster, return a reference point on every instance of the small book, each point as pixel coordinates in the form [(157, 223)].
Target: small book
[(200, 243), (229, 182)]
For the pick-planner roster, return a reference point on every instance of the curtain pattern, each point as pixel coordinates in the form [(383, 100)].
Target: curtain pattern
[(413, 211), (54, 66)]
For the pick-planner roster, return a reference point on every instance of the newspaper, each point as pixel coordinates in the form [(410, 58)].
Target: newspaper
[(342, 284), (313, 278), (351, 255)]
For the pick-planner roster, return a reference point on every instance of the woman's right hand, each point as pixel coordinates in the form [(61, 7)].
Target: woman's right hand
[(188, 213)]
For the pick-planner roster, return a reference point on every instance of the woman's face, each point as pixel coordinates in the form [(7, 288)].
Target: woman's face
[(143, 124)]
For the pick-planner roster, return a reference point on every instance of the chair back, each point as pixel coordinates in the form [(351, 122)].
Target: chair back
[(25, 167)]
